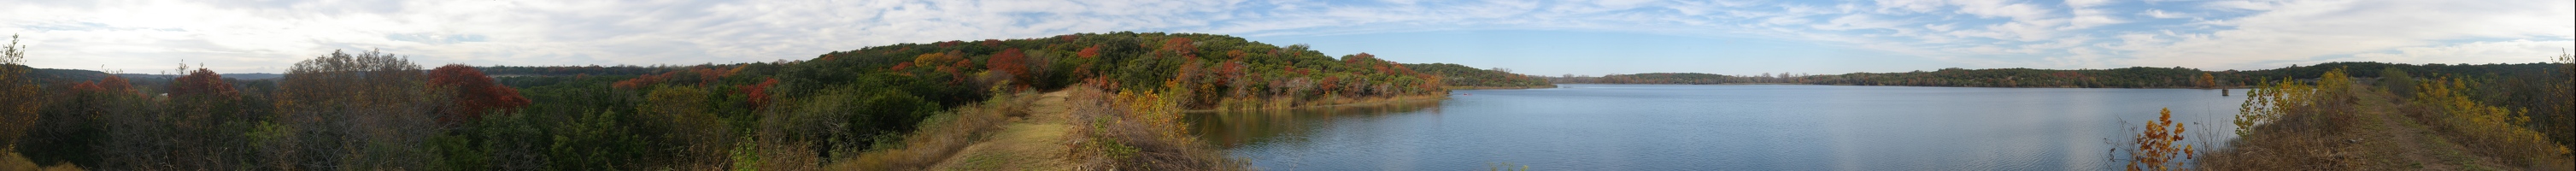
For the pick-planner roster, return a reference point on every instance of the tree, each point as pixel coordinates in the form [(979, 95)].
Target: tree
[(1010, 61), (363, 111), (759, 93), (1089, 52), (474, 94), (2207, 81), (202, 82), (18, 111)]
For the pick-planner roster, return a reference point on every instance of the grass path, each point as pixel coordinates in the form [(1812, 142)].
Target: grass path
[(2380, 135), (2384, 137), (2397, 142), (1033, 142)]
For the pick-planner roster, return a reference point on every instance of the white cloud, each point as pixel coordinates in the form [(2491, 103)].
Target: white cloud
[(2515, 51), (148, 35), (1857, 21), (2155, 13), (2306, 31), (2000, 8), (2087, 15)]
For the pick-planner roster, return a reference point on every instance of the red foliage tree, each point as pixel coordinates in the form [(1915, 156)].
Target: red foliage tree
[(1011, 61), (112, 84), (1089, 52), (759, 92), (475, 93), (202, 82), (1180, 44)]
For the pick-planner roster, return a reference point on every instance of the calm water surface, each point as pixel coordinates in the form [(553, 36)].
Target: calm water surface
[(1722, 127)]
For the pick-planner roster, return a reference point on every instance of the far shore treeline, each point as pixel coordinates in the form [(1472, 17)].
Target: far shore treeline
[(2132, 77)]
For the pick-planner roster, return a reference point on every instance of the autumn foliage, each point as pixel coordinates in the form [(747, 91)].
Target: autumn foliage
[(475, 95), (105, 85), (2497, 127), (17, 113), (1093, 51), (202, 82), (759, 93), (1009, 61), (2156, 148)]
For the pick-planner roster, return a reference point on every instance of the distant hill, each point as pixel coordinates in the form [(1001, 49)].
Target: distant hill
[(59, 77), (1463, 76), (48, 75)]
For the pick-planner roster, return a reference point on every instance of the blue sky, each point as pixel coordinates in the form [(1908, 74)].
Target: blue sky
[(1543, 37)]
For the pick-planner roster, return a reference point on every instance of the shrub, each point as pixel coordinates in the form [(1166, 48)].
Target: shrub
[(2495, 127)]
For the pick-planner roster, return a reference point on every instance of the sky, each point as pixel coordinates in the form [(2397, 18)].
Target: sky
[(1540, 37)]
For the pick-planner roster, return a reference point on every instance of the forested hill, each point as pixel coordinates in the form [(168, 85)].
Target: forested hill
[(48, 75), (377, 109), (1469, 77), (2132, 77)]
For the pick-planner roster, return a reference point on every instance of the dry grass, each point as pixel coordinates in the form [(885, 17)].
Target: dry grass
[(1136, 131), (942, 136), (10, 160), (2301, 140)]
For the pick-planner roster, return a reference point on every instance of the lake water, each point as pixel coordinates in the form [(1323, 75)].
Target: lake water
[(1723, 127)]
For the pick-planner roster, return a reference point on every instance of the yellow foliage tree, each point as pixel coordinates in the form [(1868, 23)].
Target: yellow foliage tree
[(2207, 81), (2268, 102), (1158, 110), (18, 113), (2484, 123)]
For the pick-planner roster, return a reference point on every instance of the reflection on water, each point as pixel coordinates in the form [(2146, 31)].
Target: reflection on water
[(1720, 127), (1236, 128)]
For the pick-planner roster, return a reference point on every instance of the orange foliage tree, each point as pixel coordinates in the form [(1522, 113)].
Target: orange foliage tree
[(2156, 146), (475, 94), (1089, 52)]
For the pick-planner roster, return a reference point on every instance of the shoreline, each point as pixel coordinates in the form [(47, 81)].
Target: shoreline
[(1500, 87), (1356, 102), (2225, 87)]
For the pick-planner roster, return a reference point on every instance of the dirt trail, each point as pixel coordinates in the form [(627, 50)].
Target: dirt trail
[(1032, 142)]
